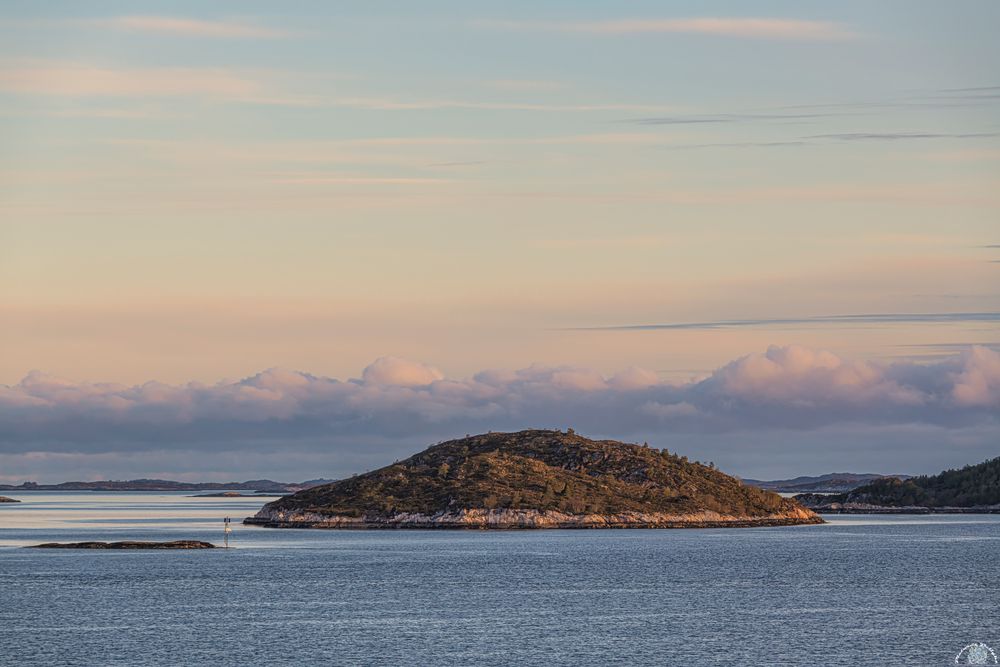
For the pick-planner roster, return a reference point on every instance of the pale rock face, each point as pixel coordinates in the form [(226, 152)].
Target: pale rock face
[(512, 518)]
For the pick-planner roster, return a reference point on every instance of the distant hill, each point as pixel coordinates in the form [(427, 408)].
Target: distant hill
[(834, 482), (535, 479), (167, 485), (974, 486)]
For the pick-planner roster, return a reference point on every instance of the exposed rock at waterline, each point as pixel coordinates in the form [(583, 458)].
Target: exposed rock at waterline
[(177, 544), (536, 479)]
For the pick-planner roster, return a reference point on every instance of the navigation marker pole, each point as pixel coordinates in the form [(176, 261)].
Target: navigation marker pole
[(226, 530)]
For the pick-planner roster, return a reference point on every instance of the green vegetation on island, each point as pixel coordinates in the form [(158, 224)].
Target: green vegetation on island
[(535, 478), (974, 486)]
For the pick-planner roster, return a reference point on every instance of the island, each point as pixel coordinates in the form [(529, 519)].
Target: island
[(536, 479), (177, 544), (835, 482), (5, 499), (236, 494), (265, 486), (974, 489)]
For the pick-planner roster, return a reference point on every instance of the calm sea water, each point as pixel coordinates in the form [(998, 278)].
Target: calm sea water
[(859, 591)]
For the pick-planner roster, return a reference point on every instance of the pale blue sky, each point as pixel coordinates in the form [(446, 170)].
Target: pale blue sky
[(195, 191)]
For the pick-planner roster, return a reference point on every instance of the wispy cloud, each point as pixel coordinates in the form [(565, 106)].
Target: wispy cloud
[(461, 163), (953, 347), (322, 179), (413, 104), (187, 27), (868, 318), (741, 144), (604, 243), (973, 89), (971, 94), (745, 27), (370, 150), (900, 136), (525, 84), (966, 155), (110, 113), (70, 79), (263, 87), (712, 119)]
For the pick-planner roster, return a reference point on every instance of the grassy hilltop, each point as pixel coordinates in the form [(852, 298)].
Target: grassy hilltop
[(535, 471)]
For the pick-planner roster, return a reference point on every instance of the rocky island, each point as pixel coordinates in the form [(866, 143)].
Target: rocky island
[(177, 544), (536, 479), (5, 499), (974, 489)]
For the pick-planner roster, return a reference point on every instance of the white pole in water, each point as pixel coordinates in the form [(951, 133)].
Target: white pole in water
[(226, 530)]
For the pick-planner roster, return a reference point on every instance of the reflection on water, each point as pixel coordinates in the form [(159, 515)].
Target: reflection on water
[(862, 590), (47, 511)]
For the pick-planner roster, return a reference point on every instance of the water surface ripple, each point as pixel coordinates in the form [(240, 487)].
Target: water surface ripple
[(858, 591)]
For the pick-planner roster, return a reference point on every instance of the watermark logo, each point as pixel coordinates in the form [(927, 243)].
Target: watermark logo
[(977, 653)]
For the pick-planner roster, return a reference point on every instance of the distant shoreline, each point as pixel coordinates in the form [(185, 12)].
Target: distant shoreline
[(237, 494), (880, 509), (255, 486), (221, 491)]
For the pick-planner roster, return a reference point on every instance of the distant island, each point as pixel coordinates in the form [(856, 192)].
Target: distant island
[(536, 479), (834, 482), (5, 499), (974, 488), (176, 544), (237, 494), (259, 485)]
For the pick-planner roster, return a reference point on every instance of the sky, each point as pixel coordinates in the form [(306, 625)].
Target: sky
[(245, 240)]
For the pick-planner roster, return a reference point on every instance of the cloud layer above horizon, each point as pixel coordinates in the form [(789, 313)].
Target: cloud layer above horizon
[(395, 401)]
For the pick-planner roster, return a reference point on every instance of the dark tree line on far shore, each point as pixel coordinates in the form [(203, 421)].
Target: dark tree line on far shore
[(973, 485)]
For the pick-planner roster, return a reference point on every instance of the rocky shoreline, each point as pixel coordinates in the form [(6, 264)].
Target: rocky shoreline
[(510, 519), (5, 499), (177, 544), (536, 478)]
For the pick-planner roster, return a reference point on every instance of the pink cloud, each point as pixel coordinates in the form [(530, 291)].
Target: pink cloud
[(396, 372), (783, 388), (977, 383), (799, 375), (191, 27), (634, 378)]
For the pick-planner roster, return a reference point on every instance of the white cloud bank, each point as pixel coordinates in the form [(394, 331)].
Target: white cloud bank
[(784, 388)]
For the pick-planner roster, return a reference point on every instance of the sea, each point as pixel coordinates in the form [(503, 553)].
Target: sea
[(859, 590)]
